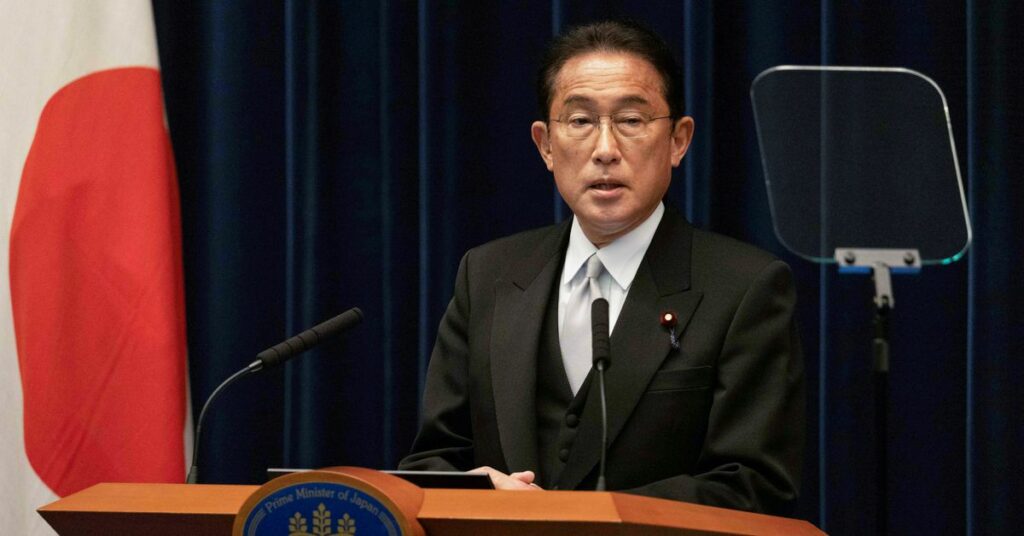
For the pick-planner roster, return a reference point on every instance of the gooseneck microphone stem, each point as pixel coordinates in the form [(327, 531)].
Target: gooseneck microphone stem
[(193, 471), (602, 361), (270, 358), (604, 428)]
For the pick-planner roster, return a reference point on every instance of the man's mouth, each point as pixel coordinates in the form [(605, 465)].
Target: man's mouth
[(605, 185)]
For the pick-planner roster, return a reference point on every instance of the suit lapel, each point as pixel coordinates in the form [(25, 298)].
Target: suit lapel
[(639, 343), (521, 297)]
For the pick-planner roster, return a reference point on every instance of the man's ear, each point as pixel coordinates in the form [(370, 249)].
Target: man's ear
[(682, 133), (539, 133)]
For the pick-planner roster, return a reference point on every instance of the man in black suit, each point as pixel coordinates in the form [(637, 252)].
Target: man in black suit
[(708, 410)]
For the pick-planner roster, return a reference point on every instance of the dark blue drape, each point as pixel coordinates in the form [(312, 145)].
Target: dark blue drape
[(334, 154)]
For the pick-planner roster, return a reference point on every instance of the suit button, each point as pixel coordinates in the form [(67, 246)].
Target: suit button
[(571, 420), (563, 455)]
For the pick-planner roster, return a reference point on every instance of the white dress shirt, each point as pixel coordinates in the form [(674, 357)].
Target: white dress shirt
[(621, 260)]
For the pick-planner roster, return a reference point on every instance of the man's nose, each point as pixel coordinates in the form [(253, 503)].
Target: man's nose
[(607, 149)]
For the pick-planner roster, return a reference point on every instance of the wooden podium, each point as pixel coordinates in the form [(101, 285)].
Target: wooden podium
[(197, 509)]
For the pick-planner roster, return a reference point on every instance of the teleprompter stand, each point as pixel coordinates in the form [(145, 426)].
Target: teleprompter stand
[(862, 172)]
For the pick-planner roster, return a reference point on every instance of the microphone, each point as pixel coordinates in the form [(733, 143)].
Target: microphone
[(602, 356), (271, 357), (599, 331), (282, 352)]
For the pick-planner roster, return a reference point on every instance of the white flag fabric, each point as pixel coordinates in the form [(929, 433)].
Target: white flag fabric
[(92, 337)]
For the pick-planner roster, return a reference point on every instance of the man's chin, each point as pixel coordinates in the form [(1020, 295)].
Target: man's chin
[(604, 229)]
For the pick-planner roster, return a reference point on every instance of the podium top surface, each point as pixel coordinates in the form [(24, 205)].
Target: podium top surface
[(444, 511), (155, 499)]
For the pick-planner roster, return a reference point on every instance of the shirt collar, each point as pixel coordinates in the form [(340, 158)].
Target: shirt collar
[(621, 258)]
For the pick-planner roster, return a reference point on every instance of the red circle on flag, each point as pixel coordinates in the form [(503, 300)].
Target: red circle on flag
[(96, 287)]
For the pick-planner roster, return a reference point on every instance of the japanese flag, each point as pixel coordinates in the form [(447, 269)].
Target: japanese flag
[(92, 337)]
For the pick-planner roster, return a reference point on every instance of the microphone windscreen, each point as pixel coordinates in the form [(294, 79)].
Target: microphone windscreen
[(599, 331), (279, 353)]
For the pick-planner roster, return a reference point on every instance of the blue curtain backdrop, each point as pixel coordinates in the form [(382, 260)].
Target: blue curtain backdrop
[(334, 154)]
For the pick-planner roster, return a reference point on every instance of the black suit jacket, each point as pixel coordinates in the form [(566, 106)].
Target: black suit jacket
[(718, 422)]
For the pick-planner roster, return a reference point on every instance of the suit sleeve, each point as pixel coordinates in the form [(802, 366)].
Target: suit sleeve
[(445, 441), (753, 447)]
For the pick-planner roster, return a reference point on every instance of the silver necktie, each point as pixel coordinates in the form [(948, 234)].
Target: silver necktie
[(575, 336)]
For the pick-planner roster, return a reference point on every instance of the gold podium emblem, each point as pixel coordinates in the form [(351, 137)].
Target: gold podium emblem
[(297, 525)]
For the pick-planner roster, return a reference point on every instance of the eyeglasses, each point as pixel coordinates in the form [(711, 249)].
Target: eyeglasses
[(580, 125)]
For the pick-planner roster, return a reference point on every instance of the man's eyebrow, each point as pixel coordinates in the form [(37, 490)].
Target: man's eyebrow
[(632, 99), (581, 100), (577, 99)]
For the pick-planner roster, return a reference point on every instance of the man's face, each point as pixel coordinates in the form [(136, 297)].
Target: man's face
[(612, 183)]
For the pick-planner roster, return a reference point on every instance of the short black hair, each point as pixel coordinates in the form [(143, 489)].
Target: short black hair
[(625, 36)]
